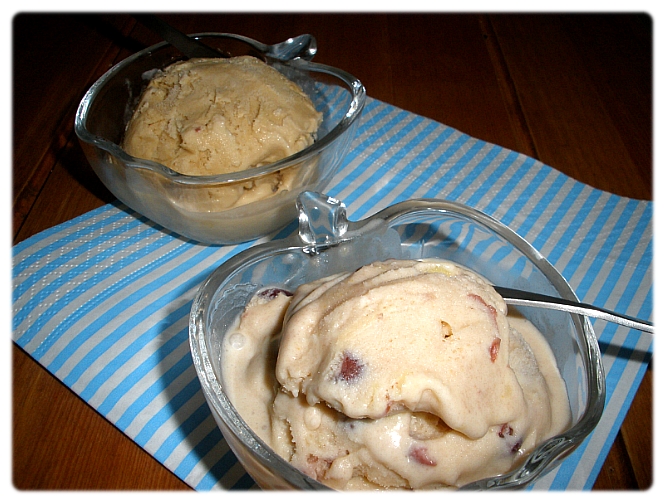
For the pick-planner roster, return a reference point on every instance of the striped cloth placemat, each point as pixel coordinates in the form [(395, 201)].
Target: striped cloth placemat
[(102, 301)]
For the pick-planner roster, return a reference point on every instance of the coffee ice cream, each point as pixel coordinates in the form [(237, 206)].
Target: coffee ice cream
[(220, 115), (214, 116)]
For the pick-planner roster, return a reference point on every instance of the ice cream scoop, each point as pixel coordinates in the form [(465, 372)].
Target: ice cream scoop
[(209, 116), (401, 374)]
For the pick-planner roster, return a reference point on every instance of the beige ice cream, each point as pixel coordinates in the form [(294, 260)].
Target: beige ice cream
[(403, 374), (223, 115)]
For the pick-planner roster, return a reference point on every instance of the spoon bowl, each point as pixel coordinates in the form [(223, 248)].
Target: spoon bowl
[(300, 47)]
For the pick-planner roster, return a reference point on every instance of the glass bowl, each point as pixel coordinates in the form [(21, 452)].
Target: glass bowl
[(215, 209), (327, 243)]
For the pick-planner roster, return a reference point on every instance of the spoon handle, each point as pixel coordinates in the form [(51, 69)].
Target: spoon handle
[(522, 298), (190, 47)]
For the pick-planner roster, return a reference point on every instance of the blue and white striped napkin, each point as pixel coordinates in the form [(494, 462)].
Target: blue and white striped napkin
[(102, 301)]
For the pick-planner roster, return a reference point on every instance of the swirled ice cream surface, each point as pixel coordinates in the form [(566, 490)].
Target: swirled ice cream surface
[(211, 116), (402, 374)]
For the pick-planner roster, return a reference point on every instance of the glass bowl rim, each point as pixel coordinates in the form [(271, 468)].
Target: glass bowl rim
[(540, 459), (353, 112)]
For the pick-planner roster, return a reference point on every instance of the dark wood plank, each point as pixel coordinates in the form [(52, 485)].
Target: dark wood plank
[(77, 188), (617, 473), (51, 71), (443, 70), (517, 120), (616, 51), (570, 123), (636, 433)]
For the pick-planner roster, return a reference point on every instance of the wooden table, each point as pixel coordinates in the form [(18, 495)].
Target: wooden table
[(574, 91)]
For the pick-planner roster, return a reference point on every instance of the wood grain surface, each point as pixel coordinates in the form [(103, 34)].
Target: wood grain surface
[(574, 91)]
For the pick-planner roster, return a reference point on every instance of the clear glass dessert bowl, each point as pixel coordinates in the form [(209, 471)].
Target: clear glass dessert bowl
[(220, 209), (328, 243)]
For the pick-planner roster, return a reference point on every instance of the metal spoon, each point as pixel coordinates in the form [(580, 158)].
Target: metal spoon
[(301, 47), (522, 298)]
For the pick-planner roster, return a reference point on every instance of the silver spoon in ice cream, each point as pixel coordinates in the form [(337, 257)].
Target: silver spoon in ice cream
[(522, 298), (301, 47)]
